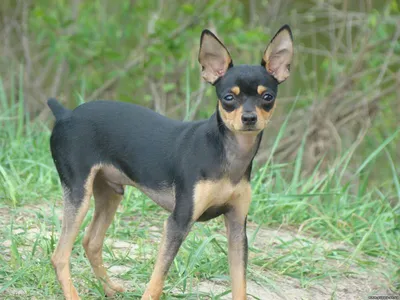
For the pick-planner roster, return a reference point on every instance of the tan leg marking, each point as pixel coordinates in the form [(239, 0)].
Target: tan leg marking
[(222, 192), (235, 224), (70, 228), (173, 236), (106, 204), (156, 284)]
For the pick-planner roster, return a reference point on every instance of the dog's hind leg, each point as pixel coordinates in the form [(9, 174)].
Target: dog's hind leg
[(106, 204), (76, 204)]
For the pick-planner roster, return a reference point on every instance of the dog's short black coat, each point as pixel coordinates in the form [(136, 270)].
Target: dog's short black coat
[(152, 150), (133, 138), (169, 159)]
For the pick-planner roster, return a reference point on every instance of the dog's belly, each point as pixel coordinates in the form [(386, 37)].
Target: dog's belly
[(211, 198), (165, 196)]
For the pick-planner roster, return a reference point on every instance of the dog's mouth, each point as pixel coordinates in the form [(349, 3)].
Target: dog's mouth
[(249, 129)]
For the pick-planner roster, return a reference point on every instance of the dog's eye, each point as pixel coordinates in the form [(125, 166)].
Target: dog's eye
[(228, 97), (268, 97)]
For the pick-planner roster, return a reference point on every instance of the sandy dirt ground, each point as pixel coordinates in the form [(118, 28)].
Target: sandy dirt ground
[(358, 284)]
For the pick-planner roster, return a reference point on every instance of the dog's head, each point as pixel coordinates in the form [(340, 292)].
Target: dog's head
[(246, 93)]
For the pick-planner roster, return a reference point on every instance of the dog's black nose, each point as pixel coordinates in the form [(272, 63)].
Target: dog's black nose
[(249, 118)]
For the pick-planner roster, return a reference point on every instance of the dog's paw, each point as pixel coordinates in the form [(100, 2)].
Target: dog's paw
[(111, 288)]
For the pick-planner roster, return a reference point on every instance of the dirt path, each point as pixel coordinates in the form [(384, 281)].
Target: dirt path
[(359, 284), (354, 282)]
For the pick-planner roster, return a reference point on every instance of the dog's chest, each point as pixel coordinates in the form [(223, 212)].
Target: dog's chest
[(213, 197)]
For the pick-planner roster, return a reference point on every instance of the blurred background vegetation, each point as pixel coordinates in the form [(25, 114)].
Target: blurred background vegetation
[(334, 173), (345, 72)]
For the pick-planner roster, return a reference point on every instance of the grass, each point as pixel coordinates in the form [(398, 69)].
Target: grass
[(329, 226)]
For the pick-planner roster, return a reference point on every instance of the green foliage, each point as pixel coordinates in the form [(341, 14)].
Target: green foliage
[(141, 52)]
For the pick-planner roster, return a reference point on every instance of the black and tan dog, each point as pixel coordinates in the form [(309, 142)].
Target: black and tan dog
[(195, 170)]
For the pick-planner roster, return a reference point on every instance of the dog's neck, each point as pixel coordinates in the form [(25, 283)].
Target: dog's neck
[(239, 150), (242, 144)]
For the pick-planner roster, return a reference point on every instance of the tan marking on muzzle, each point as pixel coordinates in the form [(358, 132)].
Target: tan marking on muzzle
[(263, 117), (233, 119)]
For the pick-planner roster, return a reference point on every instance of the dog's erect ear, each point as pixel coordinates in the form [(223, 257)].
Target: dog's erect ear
[(213, 57), (279, 53)]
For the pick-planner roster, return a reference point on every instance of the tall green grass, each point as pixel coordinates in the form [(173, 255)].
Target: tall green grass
[(361, 217), (26, 171)]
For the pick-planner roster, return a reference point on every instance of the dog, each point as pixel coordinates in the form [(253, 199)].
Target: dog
[(195, 170)]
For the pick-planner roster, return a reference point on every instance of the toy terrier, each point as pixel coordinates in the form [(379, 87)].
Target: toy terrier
[(195, 170)]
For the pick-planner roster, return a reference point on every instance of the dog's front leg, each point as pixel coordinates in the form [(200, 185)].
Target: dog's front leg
[(175, 231), (237, 253), (235, 221)]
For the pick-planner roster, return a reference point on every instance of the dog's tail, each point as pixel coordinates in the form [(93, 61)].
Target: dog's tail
[(57, 109)]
